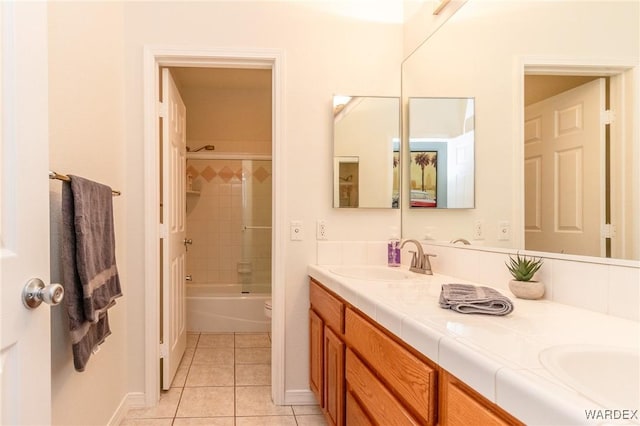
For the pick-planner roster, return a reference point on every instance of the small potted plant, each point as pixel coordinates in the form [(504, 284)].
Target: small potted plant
[(523, 269)]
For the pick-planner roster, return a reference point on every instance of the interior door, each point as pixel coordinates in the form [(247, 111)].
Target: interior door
[(174, 328), (25, 341), (564, 168)]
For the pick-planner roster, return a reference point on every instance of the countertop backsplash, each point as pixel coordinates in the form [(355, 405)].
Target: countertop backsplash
[(612, 289)]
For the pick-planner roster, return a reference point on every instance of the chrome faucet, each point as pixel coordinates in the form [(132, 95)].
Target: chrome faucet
[(420, 261)]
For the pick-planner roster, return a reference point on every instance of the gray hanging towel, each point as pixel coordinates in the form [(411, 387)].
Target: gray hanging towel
[(89, 269), (470, 299)]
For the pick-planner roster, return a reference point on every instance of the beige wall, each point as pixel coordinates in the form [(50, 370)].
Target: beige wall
[(324, 53), (86, 94)]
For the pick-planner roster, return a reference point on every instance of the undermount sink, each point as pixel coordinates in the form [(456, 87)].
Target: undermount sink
[(373, 273), (607, 375)]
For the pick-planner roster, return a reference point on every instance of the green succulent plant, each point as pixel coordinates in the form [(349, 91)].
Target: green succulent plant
[(523, 268)]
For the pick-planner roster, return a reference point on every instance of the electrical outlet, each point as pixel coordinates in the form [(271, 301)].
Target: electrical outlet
[(321, 230), (504, 231), (296, 230), (477, 230)]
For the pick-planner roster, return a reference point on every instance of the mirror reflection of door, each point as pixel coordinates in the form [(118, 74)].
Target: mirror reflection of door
[(367, 129), (348, 182), (441, 153), (565, 193)]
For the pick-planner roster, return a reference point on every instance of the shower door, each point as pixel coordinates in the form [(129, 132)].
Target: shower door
[(254, 266)]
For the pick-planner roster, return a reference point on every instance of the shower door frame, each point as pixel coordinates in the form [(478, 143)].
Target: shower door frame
[(156, 57)]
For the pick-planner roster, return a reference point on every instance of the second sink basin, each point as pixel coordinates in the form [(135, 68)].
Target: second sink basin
[(607, 375), (373, 273)]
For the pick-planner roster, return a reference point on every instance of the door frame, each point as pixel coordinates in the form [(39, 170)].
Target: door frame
[(616, 68), (156, 57)]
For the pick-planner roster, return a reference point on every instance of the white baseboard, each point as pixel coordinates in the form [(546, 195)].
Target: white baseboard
[(299, 397), (130, 400)]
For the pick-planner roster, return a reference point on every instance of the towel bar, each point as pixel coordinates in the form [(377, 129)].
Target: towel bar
[(58, 176)]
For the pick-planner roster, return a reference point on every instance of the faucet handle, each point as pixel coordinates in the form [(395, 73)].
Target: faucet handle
[(414, 259), (426, 265)]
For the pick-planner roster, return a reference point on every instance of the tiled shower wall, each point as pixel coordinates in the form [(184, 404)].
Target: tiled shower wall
[(227, 196)]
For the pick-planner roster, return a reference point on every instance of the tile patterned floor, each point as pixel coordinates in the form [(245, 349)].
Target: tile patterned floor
[(224, 379)]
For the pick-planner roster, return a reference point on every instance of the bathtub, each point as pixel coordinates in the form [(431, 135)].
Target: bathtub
[(218, 308)]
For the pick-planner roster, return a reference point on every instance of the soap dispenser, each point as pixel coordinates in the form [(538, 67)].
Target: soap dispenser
[(393, 250)]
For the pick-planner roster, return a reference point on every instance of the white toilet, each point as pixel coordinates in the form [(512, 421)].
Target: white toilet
[(267, 308)]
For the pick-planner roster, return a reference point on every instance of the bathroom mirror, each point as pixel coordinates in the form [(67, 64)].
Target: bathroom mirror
[(441, 159), (366, 152), (484, 51)]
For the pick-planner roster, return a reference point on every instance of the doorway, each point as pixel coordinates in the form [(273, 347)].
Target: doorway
[(620, 80), (155, 59)]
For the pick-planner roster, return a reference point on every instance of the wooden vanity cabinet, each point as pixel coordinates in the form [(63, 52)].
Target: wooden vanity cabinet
[(461, 405), (395, 384), (363, 375), (327, 352)]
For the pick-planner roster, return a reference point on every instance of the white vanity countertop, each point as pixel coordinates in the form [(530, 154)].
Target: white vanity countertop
[(496, 355)]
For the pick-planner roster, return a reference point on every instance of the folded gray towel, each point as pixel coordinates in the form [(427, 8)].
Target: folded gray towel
[(90, 276), (470, 299)]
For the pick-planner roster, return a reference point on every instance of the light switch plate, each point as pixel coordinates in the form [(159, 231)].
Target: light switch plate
[(297, 232)]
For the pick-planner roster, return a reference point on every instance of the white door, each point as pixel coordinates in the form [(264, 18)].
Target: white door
[(460, 189), (25, 341), (174, 327), (564, 168)]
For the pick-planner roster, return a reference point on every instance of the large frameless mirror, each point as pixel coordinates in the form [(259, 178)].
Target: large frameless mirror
[(441, 153), (366, 152)]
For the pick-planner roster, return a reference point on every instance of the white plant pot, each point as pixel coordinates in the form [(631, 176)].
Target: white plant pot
[(527, 289)]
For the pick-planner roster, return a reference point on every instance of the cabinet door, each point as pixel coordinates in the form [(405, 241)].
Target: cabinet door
[(334, 377), (460, 405), (316, 356)]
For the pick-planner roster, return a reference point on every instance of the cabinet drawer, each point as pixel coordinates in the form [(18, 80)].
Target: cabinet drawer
[(379, 403), (327, 306), (461, 406), (410, 377), (355, 414)]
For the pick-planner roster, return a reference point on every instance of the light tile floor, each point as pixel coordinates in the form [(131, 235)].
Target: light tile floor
[(224, 379)]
